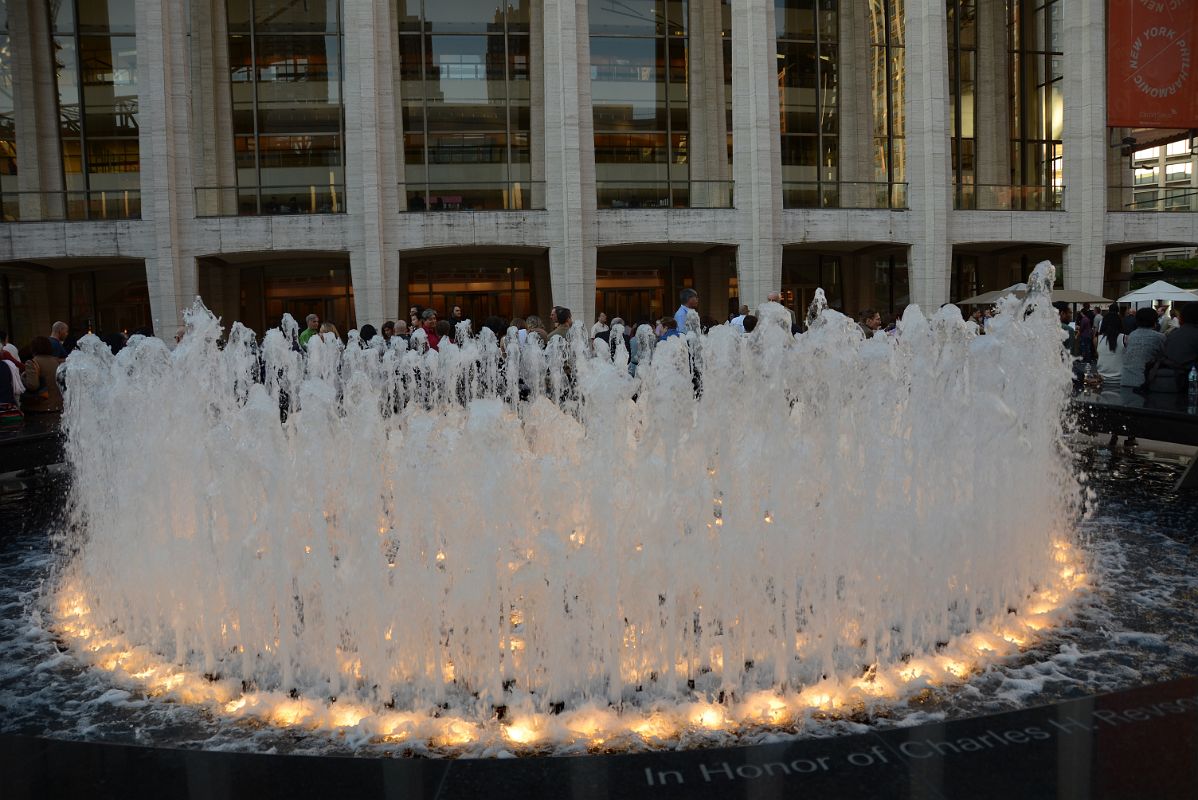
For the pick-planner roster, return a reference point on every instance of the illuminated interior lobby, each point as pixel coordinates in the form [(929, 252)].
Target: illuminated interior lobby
[(355, 157)]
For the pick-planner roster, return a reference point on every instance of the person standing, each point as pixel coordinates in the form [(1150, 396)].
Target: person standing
[(870, 321), (1085, 336), (600, 325), (1181, 351), (42, 394), (1112, 341), (561, 316), (690, 300), (738, 321), (1144, 346), (9, 347), (58, 335), (428, 321), (313, 323)]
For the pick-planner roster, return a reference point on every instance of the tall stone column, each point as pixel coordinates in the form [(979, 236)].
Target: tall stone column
[(856, 168), (707, 146), (213, 161), (929, 168), (569, 155), (536, 105), (35, 105), (1085, 143), (371, 163), (164, 117), (992, 127), (757, 146)]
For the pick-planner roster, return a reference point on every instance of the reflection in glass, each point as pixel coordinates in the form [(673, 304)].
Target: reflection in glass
[(809, 112), (962, 78), (9, 208), (482, 285), (464, 72), (642, 79), (285, 67), (95, 56), (888, 82), (1037, 111)]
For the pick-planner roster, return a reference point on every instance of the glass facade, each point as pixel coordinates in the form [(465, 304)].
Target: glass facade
[(641, 79), (110, 300), (962, 84), (483, 285), (1037, 102), (95, 54), (9, 209), (809, 115), (285, 66), (641, 287), (465, 68), (888, 80)]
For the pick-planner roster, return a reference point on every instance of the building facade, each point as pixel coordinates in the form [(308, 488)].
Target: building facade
[(353, 158)]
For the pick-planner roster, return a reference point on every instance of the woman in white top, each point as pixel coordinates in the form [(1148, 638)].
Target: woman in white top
[(1110, 346)]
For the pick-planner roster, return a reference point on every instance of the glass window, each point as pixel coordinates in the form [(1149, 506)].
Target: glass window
[(1179, 172), (288, 113), (466, 117), (1178, 148), (95, 58)]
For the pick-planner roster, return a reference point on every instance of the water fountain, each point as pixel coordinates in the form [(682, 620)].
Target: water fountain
[(440, 548)]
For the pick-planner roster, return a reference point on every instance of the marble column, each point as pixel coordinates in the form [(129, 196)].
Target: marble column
[(757, 147), (569, 155), (1085, 143), (707, 144), (929, 167), (35, 106), (164, 117), (992, 127), (857, 166), (371, 163), (213, 163)]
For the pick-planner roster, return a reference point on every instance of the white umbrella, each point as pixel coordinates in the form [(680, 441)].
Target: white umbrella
[(1158, 291)]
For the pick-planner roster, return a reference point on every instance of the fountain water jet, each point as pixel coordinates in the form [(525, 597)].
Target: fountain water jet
[(422, 544)]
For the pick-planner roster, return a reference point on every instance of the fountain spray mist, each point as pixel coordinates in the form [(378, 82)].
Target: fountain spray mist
[(533, 529)]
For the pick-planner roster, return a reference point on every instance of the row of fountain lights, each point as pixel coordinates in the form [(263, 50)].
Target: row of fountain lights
[(597, 728)]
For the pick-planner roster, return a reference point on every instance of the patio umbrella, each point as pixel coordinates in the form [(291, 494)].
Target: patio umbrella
[(1076, 296), (986, 298), (1159, 290)]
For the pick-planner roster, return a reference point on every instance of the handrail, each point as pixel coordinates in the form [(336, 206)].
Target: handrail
[(70, 206), (473, 195), (664, 194), (844, 194), (1166, 199), (1007, 197), (253, 201)]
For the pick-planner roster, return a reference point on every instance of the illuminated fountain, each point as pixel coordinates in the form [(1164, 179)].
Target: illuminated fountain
[(437, 549)]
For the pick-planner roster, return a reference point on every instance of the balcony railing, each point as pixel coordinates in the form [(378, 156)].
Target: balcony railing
[(70, 206), (664, 194), (843, 194), (987, 197), (1174, 199), (252, 201), (476, 196)]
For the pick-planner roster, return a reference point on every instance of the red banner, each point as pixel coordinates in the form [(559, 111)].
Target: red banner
[(1150, 64)]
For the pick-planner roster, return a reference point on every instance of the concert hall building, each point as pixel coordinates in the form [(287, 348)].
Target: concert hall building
[(353, 158)]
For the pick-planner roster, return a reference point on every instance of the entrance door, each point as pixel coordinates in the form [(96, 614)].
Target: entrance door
[(631, 305)]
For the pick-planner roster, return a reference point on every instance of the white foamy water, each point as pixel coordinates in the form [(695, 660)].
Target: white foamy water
[(417, 541)]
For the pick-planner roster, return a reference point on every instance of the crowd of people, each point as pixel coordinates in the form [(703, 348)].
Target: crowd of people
[(1146, 349)]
